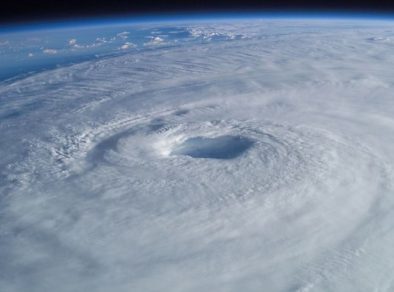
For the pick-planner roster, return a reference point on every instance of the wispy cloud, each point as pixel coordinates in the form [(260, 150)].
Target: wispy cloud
[(50, 51)]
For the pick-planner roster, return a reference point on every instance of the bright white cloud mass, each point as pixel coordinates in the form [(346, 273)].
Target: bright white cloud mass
[(259, 159)]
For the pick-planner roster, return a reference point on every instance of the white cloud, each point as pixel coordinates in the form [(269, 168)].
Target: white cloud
[(124, 35), (50, 51), (127, 45), (154, 41), (72, 42), (75, 45), (109, 154), (101, 40)]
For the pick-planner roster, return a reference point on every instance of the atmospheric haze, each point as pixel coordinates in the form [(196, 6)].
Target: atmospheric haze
[(257, 157)]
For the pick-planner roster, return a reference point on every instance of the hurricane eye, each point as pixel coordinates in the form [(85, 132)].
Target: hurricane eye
[(222, 147)]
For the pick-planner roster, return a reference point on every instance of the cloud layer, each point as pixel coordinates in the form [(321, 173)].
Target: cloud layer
[(112, 177)]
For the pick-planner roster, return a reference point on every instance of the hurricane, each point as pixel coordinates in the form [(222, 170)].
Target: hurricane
[(251, 155)]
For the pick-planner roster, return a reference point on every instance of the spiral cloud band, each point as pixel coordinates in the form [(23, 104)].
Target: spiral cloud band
[(259, 159)]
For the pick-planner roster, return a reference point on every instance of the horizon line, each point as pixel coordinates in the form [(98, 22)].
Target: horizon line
[(198, 16)]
